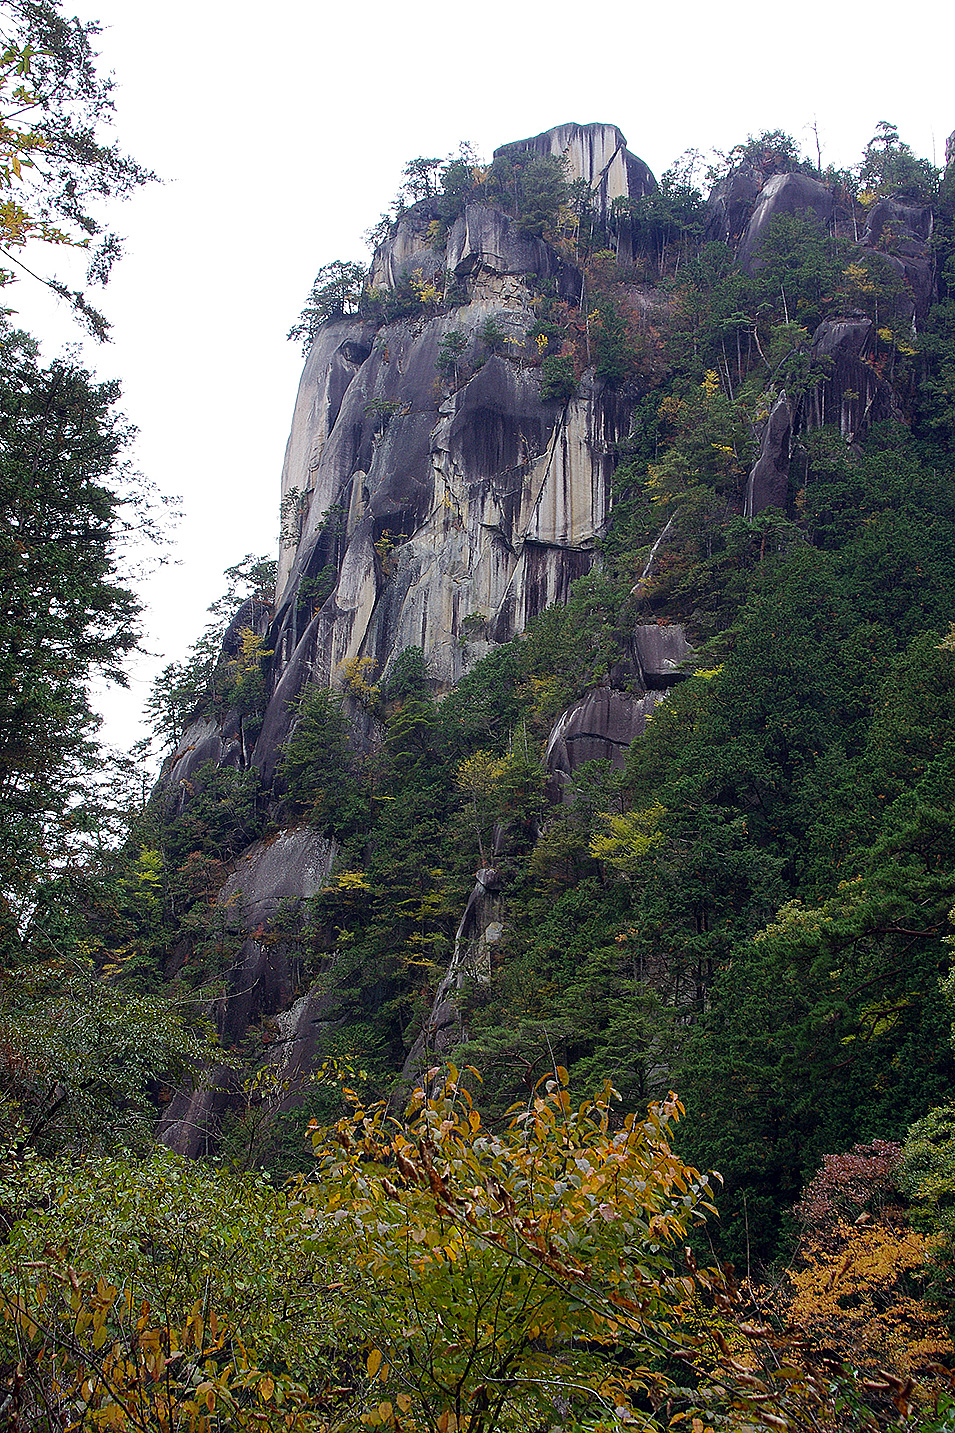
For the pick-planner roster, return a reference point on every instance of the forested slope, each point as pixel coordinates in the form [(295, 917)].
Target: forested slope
[(599, 737), (749, 902)]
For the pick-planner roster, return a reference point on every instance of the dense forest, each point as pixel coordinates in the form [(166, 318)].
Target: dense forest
[(479, 1204)]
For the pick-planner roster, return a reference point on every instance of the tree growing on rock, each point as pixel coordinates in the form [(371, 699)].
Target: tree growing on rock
[(335, 293)]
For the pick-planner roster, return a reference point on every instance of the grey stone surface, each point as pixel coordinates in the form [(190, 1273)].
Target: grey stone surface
[(852, 396), (289, 868), (662, 653), (483, 239), (731, 203), (783, 194), (901, 231), (273, 878), (600, 726), (488, 501), (191, 1123), (408, 248), (768, 482), (594, 152), (203, 740), (479, 931)]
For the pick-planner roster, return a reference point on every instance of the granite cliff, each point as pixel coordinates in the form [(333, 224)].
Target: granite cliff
[(439, 493)]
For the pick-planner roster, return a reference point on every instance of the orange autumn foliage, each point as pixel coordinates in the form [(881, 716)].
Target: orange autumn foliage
[(857, 1296)]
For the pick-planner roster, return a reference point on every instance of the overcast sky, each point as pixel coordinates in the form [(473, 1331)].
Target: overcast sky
[(280, 131)]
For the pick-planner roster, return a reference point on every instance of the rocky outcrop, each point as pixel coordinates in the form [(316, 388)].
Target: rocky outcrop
[(421, 509), (596, 153), (902, 232), (438, 513), (852, 394), (731, 204), (796, 194), (599, 727), (260, 902), (484, 241), (662, 654), (768, 482), (440, 505), (480, 932)]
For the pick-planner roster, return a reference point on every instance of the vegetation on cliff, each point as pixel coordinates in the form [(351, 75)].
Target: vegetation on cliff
[(754, 909)]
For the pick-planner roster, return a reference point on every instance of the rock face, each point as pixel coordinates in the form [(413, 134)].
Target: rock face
[(480, 932), (662, 654), (783, 194), (269, 885), (769, 480), (439, 511), (444, 520), (902, 232), (731, 203), (442, 504), (596, 153), (599, 727), (852, 394)]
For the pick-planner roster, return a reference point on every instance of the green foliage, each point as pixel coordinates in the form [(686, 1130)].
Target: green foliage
[(335, 293), (560, 1234), (772, 151), (558, 379), (834, 1000), (612, 346), (407, 676), (66, 613), (888, 164), (800, 270), (83, 1061), (492, 336), (530, 187), (56, 161), (450, 349), (162, 1295), (217, 814), (319, 767), (667, 223), (420, 179), (209, 680)]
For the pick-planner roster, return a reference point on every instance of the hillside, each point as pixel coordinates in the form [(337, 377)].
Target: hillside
[(563, 464), (599, 726)]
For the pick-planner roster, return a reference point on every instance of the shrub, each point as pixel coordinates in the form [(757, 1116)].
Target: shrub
[(558, 381)]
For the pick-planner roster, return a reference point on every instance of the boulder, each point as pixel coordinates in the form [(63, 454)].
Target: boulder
[(271, 881), (901, 230), (600, 726), (783, 194), (661, 652), (731, 203)]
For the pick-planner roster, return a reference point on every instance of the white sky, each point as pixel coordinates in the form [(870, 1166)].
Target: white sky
[(280, 132)]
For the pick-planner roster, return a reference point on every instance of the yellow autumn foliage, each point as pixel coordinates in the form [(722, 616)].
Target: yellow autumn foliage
[(854, 1298), (629, 839)]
